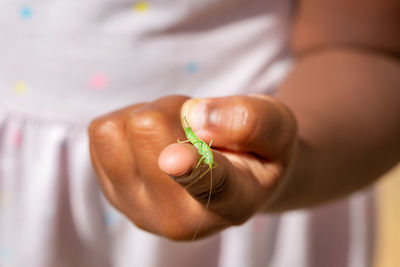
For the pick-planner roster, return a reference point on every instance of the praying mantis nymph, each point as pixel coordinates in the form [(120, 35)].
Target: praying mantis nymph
[(206, 157)]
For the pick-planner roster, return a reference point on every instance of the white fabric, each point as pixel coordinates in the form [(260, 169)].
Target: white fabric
[(63, 62)]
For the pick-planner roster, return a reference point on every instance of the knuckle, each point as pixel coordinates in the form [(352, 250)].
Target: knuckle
[(103, 129), (146, 120)]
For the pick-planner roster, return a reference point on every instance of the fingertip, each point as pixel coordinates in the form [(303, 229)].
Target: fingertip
[(177, 159)]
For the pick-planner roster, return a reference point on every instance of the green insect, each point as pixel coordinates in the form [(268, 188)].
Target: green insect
[(201, 146), (206, 157)]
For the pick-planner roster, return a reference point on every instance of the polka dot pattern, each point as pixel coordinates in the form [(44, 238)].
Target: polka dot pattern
[(5, 198), (110, 218), (20, 88), (141, 7), (26, 12), (5, 252), (72, 61), (16, 139), (192, 67), (98, 81)]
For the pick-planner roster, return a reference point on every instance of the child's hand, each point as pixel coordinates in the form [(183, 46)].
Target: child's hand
[(134, 149)]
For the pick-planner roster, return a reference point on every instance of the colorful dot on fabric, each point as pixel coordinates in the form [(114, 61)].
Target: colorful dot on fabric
[(141, 7), (20, 88), (192, 67), (26, 12), (110, 218), (5, 252), (98, 81), (4, 198), (16, 139)]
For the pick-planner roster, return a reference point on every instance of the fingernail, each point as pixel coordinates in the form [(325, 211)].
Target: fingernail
[(195, 111)]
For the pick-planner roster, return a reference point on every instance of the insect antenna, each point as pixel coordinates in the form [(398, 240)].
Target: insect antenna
[(198, 178), (208, 203)]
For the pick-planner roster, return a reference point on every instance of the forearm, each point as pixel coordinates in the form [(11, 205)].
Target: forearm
[(347, 105)]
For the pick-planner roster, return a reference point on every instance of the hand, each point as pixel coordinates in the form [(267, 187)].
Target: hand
[(143, 171)]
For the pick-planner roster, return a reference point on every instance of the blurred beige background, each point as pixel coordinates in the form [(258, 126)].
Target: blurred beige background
[(388, 214)]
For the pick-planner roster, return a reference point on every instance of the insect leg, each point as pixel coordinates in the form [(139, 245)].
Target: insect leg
[(181, 142), (214, 165), (210, 143), (200, 160)]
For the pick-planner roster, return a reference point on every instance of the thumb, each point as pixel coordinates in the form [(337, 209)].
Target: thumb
[(257, 124)]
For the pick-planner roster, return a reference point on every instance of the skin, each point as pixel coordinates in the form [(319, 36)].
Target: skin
[(332, 128)]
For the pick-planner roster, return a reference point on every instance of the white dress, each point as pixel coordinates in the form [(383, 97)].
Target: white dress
[(64, 62)]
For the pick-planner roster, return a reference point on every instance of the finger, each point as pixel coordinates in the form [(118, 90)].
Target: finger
[(102, 177), (150, 129), (243, 123), (110, 148), (178, 159), (229, 189), (182, 162)]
